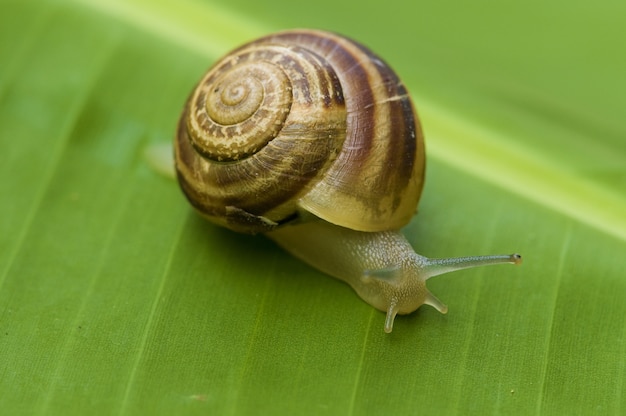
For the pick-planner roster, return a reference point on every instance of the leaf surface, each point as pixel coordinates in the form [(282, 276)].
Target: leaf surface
[(115, 298)]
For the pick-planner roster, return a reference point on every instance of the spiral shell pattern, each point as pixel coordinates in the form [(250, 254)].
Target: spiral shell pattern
[(301, 121)]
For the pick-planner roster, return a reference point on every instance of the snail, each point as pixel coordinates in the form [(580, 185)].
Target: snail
[(310, 138)]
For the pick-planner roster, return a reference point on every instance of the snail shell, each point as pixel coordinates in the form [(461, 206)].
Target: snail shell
[(311, 138), (301, 121)]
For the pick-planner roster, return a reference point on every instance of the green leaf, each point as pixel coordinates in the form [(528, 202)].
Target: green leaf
[(116, 298)]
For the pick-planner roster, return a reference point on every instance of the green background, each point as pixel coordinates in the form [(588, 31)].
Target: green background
[(115, 298)]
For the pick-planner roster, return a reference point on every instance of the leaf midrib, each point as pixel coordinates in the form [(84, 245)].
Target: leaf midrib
[(458, 142)]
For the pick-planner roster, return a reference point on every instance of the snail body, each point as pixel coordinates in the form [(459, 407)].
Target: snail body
[(311, 138)]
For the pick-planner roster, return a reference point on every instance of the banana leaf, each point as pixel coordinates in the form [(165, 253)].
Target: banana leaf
[(116, 298)]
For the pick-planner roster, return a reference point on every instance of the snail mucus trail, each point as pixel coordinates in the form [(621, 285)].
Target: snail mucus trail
[(312, 139)]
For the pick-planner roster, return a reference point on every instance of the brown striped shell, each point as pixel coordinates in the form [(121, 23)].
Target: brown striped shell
[(301, 121)]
